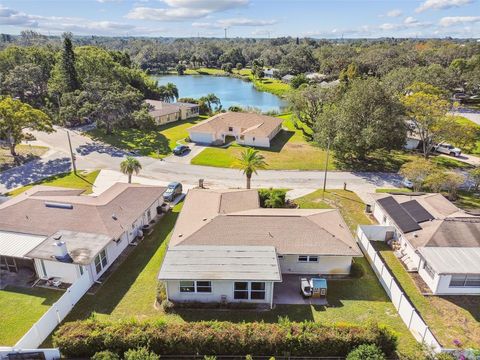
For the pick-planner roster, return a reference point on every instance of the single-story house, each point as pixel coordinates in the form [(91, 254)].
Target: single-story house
[(287, 78), (316, 77), (247, 128), (164, 112), (226, 249), (59, 233), (434, 238), (269, 73), (329, 84)]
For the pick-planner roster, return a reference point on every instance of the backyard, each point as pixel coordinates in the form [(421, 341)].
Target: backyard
[(449, 317), (131, 291)]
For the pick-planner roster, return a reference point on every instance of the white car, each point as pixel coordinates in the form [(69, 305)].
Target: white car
[(305, 287), (447, 149), (407, 183)]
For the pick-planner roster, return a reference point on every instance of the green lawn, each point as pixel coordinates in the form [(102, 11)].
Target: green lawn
[(83, 180), (205, 71), (25, 153), (157, 143), (20, 309), (449, 317), (131, 291), (274, 86), (289, 151)]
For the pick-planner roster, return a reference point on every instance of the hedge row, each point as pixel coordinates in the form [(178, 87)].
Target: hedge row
[(85, 338)]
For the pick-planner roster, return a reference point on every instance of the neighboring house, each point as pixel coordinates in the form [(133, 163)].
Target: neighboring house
[(59, 233), (329, 84), (164, 112), (270, 73), (316, 77), (226, 249), (435, 238), (287, 78), (247, 128)]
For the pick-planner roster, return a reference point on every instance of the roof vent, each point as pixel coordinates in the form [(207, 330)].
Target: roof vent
[(180, 235), (58, 205), (61, 253), (114, 217), (57, 237), (204, 219), (415, 234)]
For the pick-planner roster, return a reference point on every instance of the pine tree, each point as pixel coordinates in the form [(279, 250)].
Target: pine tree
[(68, 64)]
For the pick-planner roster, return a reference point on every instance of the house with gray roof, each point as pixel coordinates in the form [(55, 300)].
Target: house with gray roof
[(60, 233), (226, 249), (434, 238), (164, 112)]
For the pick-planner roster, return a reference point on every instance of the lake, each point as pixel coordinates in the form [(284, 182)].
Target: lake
[(231, 91)]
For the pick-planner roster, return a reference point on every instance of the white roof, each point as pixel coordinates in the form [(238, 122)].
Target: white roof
[(18, 244), (253, 263), (452, 260)]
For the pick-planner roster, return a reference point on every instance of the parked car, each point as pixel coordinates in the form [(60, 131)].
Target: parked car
[(180, 149), (448, 149), (305, 287), (173, 190), (407, 183)]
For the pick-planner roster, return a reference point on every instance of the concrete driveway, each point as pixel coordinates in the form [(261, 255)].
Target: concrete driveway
[(187, 157), (288, 292)]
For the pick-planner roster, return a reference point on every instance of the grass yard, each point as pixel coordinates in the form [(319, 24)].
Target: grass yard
[(83, 180), (131, 291), (25, 153), (274, 86), (205, 71), (157, 143), (21, 308), (449, 317), (289, 151)]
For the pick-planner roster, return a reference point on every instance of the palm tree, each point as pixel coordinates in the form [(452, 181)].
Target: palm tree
[(168, 92), (129, 166), (250, 161), (211, 99)]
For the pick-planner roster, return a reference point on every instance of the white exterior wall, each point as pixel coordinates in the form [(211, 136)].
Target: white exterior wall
[(187, 113), (441, 285), (411, 144), (219, 288), (68, 273), (326, 265), (432, 282), (257, 141), (202, 138), (165, 119)]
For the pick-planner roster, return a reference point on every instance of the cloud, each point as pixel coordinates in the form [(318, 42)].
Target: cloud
[(394, 13), (441, 4), (16, 18), (181, 10), (458, 20), (226, 23)]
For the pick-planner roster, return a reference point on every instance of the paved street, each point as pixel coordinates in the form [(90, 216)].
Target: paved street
[(99, 155)]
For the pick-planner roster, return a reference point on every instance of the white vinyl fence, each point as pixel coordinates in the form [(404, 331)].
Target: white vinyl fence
[(59, 310), (405, 309)]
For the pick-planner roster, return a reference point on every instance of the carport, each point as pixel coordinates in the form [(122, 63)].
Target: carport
[(288, 292)]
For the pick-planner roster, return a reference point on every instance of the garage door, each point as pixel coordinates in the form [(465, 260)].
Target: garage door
[(203, 138)]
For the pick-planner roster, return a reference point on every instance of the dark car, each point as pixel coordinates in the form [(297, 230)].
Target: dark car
[(173, 189), (180, 149)]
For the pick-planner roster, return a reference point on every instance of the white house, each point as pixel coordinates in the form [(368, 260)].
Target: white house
[(269, 73), (225, 248), (164, 112), (435, 238), (60, 234), (246, 128)]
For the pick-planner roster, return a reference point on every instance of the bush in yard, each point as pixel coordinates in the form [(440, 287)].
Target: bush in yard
[(366, 352), (105, 355), (272, 198), (85, 338), (140, 354)]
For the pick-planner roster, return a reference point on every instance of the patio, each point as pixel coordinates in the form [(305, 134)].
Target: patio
[(288, 292)]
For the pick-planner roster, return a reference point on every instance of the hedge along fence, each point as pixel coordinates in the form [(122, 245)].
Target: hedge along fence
[(85, 338)]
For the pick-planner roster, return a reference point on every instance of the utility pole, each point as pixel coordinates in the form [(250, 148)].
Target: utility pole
[(326, 170), (225, 29), (72, 155)]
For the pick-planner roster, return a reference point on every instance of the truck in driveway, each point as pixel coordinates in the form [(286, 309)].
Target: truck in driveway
[(448, 149)]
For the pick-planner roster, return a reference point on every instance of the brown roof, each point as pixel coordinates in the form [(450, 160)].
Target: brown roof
[(234, 218), (451, 226), (161, 108), (41, 212), (249, 123)]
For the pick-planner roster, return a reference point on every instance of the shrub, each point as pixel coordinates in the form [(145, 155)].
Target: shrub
[(140, 354), (161, 292), (444, 356), (356, 271), (366, 352), (167, 306), (272, 198), (105, 355), (85, 338)]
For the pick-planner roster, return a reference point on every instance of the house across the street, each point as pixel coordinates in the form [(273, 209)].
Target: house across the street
[(435, 238), (246, 128), (226, 249), (60, 234), (164, 112)]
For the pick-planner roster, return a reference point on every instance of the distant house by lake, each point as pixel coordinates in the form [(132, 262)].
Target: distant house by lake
[(164, 112), (270, 73), (287, 78)]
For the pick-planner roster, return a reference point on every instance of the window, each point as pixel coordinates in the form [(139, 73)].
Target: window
[(307, 258), (230, 128), (44, 271), (429, 270), (249, 290), (101, 261), (191, 286), (80, 267), (465, 281), (240, 290), (384, 219)]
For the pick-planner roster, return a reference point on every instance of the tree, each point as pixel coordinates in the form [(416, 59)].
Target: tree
[(168, 92), (298, 80), (460, 131), (211, 99), (140, 354), (227, 67), (250, 161), (239, 66), (26, 82), (417, 171), (181, 69), (349, 74), (445, 180), (15, 117), (68, 64), (474, 176), (426, 111), (366, 352), (129, 166)]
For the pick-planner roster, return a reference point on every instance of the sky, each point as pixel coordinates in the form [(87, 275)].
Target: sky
[(245, 18)]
